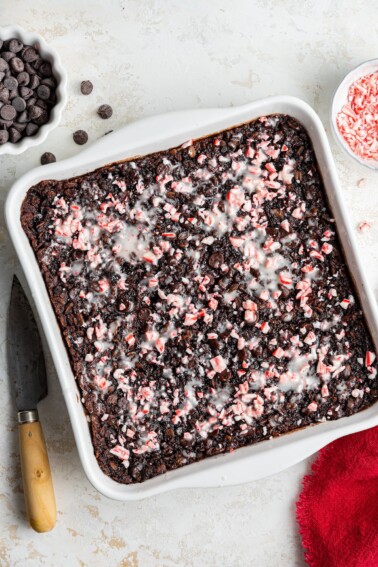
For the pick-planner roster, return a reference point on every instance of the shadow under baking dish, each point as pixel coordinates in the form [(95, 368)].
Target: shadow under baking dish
[(162, 133)]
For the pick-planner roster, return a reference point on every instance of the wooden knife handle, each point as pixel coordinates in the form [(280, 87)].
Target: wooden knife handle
[(36, 474)]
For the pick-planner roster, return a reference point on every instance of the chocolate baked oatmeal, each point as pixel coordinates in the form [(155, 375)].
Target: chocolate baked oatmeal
[(203, 298)]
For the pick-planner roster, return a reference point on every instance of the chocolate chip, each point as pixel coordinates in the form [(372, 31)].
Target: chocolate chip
[(19, 104), (35, 112), (26, 92), (30, 69), (80, 137), (17, 65), (23, 117), (19, 127), (31, 128), (15, 45), (29, 54), (7, 55), (14, 135), (10, 83), (45, 69), (34, 82), (43, 92), (86, 87), (42, 119), (4, 95), (105, 111), (49, 81), (3, 65), (5, 123), (8, 112), (47, 157), (42, 104), (23, 78), (4, 136), (225, 376), (143, 314), (216, 260), (31, 102)]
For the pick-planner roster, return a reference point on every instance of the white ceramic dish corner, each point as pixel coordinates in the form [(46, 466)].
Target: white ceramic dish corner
[(340, 98), (160, 133), (48, 53)]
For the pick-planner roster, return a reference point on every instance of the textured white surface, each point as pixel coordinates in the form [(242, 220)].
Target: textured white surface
[(146, 57)]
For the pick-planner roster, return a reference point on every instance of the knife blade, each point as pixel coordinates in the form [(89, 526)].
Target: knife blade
[(27, 370), (26, 360)]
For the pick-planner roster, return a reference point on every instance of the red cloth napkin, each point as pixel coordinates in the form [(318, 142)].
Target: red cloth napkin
[(338, 509)]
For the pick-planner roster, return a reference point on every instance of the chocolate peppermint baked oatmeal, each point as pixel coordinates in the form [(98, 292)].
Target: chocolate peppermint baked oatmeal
[(203, 298)]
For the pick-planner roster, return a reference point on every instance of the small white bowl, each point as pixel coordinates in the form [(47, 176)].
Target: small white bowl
[(340, 98), (32, 38)]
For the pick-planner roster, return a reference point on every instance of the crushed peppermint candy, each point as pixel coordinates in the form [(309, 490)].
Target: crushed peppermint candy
[(364, 226), (357, 121)]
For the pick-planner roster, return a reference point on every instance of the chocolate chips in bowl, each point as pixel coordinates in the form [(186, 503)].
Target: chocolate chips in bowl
[(32, 90)]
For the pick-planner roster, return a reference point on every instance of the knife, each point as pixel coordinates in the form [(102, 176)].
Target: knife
[(28, 375)]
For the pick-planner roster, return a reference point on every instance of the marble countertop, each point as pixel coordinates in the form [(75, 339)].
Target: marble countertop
[(147, 57)]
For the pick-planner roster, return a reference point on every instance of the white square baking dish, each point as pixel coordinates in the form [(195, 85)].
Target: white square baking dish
[(161, 133)]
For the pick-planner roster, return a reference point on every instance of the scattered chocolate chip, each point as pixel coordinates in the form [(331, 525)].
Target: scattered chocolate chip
[(105, 111), (8, 112), (47, 157), (17, 65), (10, 83), (15, 45), (4, 136), (31, 128), (86, 87), (80, 137), (14, 135), (23, 79), (19, 104)]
